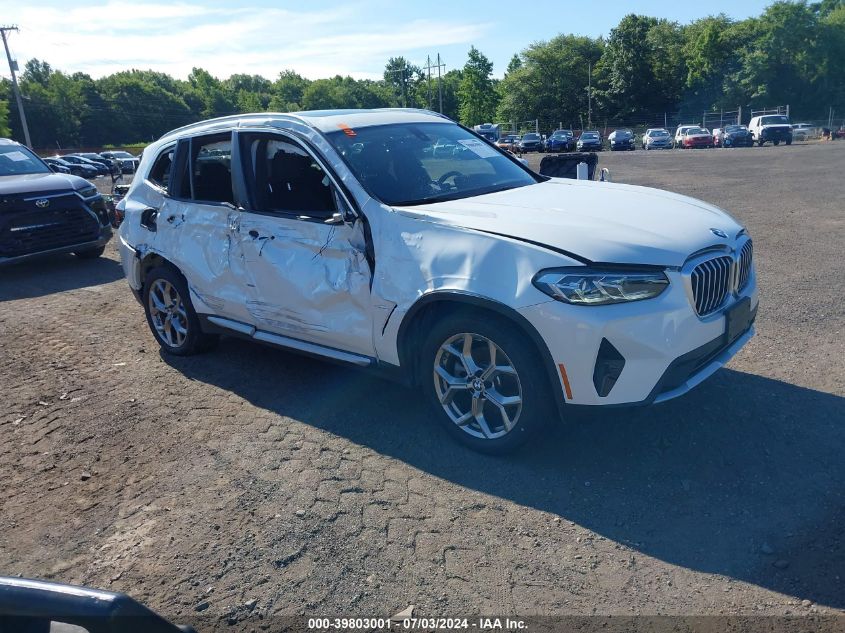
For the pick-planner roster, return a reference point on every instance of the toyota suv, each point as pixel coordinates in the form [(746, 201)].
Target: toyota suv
[(503, 295), (42, 212)]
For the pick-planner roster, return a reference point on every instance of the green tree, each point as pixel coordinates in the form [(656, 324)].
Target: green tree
[(551, 84), (5, 130), (477, 91)]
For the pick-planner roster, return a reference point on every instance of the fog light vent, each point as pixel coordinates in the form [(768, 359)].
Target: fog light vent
[(609, 364)]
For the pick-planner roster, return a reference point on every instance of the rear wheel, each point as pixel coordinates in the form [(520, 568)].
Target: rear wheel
[(776, 142), (484, 381), (171, 316)]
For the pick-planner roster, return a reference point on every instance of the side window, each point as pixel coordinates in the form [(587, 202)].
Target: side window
[(286, 179), (160, 173), (211, 169)]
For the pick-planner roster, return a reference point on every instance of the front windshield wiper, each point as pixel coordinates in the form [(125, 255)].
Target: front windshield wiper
[(457, 195)]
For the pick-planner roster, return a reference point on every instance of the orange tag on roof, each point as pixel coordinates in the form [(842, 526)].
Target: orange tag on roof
[(346, 129)]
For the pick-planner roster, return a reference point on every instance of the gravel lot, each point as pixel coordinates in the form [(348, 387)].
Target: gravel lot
[(248, 474)]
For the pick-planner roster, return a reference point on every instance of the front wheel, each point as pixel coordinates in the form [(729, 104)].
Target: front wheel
[(171, 316), (485, 382), (91, 253), (776, 142)]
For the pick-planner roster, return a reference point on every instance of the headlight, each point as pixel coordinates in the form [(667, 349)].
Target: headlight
[(88, 192), (589, 286)]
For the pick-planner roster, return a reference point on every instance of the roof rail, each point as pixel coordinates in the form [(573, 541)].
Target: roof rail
[(247, 116)]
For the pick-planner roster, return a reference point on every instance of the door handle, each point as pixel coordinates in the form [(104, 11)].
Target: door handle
[(171, 219), (253, 234)]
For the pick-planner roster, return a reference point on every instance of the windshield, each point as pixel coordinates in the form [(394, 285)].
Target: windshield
[(695, 130), (562, 134), (655, 133), (17, 159), (778, 119), (122, 154), (623, 133), (531, 137), (400, 165), (589, 136), (735, 128)]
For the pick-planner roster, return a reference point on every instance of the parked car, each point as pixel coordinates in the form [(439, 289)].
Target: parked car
[(696, 137), (530, 142), (460, 275), (81, 168), (99, 168), (128, 162), (105, 162), (508, 142), (734, 136), (561, 141), (771, 127), (621, 140), (804, 131), (589, 141), (42, 212), (58, 166), (657, 138), (679, 134)]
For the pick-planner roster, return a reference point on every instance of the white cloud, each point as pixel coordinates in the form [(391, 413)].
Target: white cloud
[(174, 38)]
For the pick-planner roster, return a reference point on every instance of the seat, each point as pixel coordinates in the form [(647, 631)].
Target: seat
[(214, 183)]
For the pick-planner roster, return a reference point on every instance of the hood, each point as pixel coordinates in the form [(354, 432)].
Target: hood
[(52, 182), (599, 222)]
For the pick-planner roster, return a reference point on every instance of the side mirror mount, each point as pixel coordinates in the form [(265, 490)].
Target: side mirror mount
[(524, 161)]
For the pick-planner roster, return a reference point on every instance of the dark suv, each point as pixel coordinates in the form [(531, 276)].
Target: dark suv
[(42, 212)]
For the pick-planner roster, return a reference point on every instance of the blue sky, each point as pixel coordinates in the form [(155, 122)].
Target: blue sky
[(319, 38)]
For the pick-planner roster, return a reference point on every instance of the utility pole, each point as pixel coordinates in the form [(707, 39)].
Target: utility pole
[(401, 72), (429, 66), (589, 95), (440, 82), (12, 67)]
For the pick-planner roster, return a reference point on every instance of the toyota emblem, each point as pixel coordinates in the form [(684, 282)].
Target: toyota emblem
[(719, 233), (42, 203)]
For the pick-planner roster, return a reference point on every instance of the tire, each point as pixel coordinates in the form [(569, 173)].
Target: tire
[(760, 143), (163, 282), (789, 142), (528, 382), (91, 253), (776, 143)]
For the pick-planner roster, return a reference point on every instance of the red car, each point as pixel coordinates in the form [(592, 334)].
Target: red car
[(697, 137)]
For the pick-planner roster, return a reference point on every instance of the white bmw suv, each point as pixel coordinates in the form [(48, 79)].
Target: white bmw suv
[(505, 296)]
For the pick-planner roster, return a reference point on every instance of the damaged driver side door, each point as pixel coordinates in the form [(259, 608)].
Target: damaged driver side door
[(304, 250)]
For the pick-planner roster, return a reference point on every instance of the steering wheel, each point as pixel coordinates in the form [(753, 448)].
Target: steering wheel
[(449, 174)]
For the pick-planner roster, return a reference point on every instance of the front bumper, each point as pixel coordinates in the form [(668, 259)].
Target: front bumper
[(667, 348), (105, 236), (67, 223), (775, 134)]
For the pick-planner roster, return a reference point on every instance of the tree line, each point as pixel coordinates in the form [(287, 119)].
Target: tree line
[(793, 53)]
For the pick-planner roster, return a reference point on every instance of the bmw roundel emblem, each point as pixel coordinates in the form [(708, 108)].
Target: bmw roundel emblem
[(42, 203), (719, 233)]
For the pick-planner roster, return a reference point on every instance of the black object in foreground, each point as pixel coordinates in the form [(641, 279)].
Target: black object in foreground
[(30, 606)]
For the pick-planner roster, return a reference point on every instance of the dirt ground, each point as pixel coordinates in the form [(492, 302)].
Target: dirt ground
[(249, 482)]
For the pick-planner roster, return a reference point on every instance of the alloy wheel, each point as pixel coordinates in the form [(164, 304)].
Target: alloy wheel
[(477, 386), (167, 313)]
